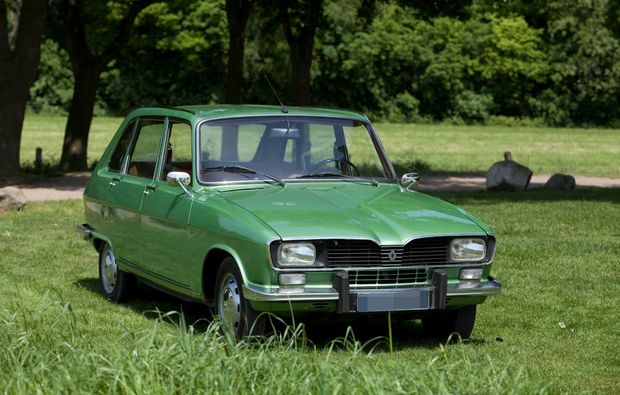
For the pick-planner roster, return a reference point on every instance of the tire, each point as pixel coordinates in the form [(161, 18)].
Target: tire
[(443, 324), (235, 312), (116, 285)]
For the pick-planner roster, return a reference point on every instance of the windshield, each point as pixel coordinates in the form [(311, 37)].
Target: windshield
[(291, 148)]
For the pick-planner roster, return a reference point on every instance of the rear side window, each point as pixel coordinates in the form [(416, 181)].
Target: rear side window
[(118, 156), (144, 155)]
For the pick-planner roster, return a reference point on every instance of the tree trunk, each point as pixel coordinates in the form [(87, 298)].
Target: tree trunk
[(300, 71), (75, 145), (87, 67), (238, 13), (19, 59), (301, 45), (13, 98)]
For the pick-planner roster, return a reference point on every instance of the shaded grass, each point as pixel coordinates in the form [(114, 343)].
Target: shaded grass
[(422, 148), (554, 328)]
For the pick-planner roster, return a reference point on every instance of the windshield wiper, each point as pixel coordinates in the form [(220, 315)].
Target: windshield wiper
[(246, 170), (344, 177)]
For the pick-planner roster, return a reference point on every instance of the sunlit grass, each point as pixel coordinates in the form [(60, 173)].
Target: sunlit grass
[(423, 148), (554, 327)]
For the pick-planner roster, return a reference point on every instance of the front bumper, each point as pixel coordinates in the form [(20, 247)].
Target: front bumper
[(424, 297)]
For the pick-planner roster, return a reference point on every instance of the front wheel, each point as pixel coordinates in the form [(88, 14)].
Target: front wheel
[(116, 284), (235, 312), (444, 323)]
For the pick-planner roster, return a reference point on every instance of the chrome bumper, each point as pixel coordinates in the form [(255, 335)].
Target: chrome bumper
[(317, 294)]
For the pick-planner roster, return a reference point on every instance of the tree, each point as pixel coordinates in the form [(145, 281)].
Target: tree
[(19, 59), (87, 66), (238, 12), (300, 19)]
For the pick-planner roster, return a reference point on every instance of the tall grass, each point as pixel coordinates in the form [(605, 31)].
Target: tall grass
[(45, 351)]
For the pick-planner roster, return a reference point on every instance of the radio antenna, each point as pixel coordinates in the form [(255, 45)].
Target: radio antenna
[(282, 106)]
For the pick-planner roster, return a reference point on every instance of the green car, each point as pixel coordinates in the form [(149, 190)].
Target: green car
[(291, 211)]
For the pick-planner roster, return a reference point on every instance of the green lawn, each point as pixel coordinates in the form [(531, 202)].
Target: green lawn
[(592, 152), (554, 328)]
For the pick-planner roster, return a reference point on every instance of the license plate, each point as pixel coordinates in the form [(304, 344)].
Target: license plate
[(397, 300)]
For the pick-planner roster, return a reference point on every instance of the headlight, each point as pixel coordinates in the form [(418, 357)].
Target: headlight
[(468, 250), (296, 254)]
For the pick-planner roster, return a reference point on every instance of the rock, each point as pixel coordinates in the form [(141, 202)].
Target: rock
[(11, 198), (560, 182), (508, 175)]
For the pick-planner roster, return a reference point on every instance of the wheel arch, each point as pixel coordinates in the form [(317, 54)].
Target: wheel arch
[(210, 266)]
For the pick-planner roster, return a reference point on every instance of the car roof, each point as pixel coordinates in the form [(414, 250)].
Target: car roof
[(206, 112)]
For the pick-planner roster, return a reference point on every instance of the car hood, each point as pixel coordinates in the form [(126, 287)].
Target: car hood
[(384, 213)]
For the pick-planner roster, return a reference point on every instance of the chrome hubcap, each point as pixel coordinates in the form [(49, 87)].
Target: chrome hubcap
[(229, 303), (109, 271)]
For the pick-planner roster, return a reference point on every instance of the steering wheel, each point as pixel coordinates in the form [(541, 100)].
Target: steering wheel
[(328, 160)]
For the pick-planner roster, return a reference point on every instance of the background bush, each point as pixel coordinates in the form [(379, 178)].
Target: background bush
[(556, 61)]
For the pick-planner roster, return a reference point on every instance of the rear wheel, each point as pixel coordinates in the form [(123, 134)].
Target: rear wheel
[(444, 323), (235, 312), (116, 284)]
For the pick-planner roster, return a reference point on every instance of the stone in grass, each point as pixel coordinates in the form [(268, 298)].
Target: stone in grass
[(508, 175), (560, 182), (11, 198)]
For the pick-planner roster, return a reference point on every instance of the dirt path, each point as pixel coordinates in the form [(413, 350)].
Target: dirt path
[(71, 185)]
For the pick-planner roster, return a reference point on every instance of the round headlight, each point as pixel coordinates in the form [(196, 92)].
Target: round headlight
[(296, 254), (468, 250)]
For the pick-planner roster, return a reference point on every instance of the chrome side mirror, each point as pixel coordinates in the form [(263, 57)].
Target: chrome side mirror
[(179, 178), (409, 180)]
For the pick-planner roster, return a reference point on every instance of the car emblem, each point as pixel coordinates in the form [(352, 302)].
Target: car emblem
[(392, 255)]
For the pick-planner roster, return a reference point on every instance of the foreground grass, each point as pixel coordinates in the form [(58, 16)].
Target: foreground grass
[(554, 328), (592, 152)]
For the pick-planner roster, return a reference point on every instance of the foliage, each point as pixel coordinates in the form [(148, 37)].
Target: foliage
[(51, 92), (586, 69), (400, 61)]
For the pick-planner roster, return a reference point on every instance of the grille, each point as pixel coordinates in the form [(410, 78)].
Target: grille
[(392, 277), (356, 253)]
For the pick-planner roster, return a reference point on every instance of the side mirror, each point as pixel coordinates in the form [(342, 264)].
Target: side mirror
[(409, 180), (180, 178), (175, 178)]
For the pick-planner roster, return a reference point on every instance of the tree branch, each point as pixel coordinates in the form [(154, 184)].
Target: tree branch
[(5, 49), (74, 33), (124, 32), (16, 21)]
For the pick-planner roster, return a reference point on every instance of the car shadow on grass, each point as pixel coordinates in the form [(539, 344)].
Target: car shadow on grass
[(323, 334)]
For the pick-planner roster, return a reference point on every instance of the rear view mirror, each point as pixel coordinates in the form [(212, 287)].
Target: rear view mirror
[(284, 133)]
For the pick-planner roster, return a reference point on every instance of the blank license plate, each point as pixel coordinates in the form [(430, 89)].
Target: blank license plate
[(398, 300)]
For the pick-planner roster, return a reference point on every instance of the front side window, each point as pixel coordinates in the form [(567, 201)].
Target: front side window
[(292, 148), (143, 157)]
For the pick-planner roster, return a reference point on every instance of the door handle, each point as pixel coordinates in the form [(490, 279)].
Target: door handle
[(149, 188), (115, 180)]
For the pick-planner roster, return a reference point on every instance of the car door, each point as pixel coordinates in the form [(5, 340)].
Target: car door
[(165, 211), (128, 187)]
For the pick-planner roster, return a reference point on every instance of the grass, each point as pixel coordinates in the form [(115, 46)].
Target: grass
[(553, 329), (436, 148)]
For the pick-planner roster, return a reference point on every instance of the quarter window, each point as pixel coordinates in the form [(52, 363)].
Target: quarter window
[(118, 156), (178, 155)]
